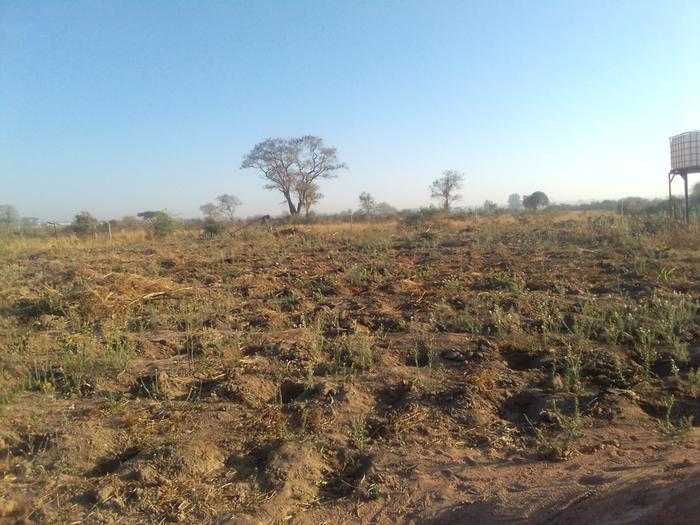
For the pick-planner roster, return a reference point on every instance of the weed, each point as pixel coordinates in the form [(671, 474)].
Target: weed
[(691, 384), (358, 276), (444, 318), (452, 284), (648, 355), (360, 350), (683, 426), (571, 376), (506, 322), (665, 274), (309, 381), (561, 445), (8, 391), (118, 352), (358, 433)]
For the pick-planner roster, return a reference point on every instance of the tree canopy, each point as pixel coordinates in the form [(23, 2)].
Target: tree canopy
[(293, 167), (536, 201), (227, 204)]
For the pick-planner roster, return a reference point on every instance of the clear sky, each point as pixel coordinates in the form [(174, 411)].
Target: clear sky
[(120, 106)]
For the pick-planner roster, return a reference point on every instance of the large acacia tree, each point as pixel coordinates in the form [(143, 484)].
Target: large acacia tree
[(293, 167)]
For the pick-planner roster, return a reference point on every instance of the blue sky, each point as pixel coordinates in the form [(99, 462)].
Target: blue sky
[(117, 107)]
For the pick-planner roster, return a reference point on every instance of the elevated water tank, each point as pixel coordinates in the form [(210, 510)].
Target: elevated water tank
[(685, 152)]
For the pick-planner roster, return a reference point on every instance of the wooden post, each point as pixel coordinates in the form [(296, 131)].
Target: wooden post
[(350, 219), (109, 229)]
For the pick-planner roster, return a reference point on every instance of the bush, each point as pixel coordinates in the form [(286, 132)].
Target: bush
[(84, 224), (425, 217), (163, 224), (211, 227)]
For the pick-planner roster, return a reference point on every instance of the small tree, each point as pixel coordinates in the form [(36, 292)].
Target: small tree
[(445, 188), (226, 205), (490, 205), (515, 203), (84, 224), (8, 216), (536, 201), (309, 196), (385, 210), (163, 224), (367, 204)]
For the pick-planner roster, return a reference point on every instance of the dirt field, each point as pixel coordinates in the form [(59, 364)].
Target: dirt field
[(539, 369)]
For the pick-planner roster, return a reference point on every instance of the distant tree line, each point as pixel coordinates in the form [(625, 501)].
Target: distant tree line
[(294, 167)]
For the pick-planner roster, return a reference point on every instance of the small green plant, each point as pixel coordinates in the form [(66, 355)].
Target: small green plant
[(647, 353), (683, 426), (665, 274), (691, 384), (309, 380), (571, 375), (357, 275), (498, 280), (444, 318), (193, 344), (452, 284), (76, 366), (152, 386), (562, 444), (423, 354), (506, 322), (112, 401), (8, 392), (118, 352), (360, 350), (316, 340), (358, 433)]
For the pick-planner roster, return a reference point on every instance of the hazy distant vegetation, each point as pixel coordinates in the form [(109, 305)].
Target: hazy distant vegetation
[(222, 212)]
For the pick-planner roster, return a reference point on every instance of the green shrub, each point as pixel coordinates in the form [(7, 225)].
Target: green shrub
[(212, 227), (84, 224), (163, 224)]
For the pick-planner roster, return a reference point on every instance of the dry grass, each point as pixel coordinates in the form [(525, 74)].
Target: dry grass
[(147, 380)]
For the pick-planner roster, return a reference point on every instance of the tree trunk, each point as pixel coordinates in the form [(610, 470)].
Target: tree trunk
[(292, 209)]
